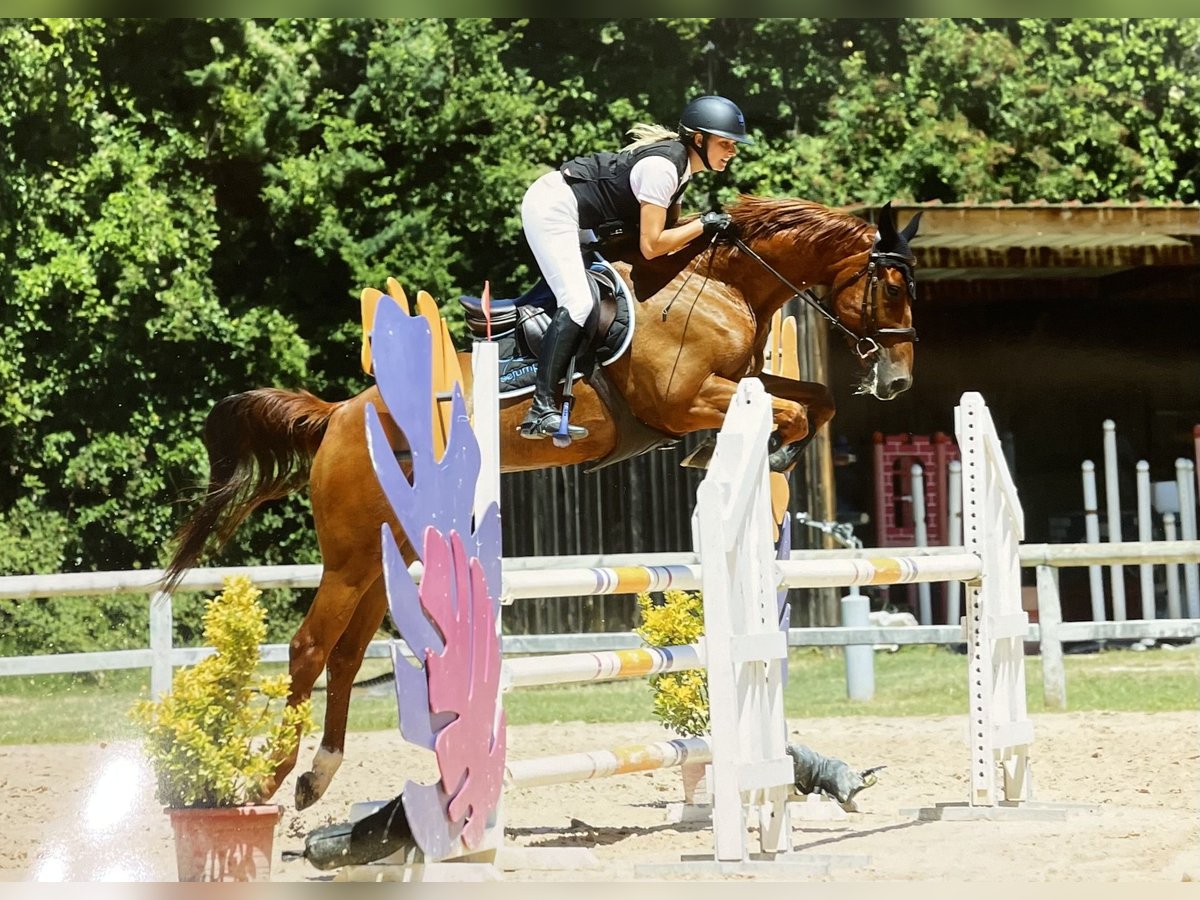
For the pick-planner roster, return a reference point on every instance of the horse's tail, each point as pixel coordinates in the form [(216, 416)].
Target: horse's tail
[(260, 446)]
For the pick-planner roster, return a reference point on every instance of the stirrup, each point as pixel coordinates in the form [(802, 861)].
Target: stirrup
[(547, 426)]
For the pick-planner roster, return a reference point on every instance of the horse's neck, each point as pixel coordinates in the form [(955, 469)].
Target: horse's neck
[(802, 264)]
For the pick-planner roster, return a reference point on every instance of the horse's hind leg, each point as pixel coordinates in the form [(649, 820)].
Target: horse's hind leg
[(343, 664), (331, 610)]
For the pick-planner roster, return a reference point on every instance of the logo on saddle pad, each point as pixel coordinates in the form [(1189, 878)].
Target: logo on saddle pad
[(519, 324)]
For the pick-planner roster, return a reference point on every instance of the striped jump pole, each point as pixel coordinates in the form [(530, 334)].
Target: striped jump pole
[(607, 665), (811, 573), (588, 766), (595, 581)]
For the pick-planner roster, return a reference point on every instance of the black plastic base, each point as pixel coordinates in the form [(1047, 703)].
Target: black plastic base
[(376, 836)]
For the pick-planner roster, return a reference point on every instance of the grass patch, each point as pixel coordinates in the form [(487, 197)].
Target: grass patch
[(70, 709), (915, 681)]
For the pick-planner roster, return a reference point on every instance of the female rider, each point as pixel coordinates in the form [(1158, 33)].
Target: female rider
[(633, 190)]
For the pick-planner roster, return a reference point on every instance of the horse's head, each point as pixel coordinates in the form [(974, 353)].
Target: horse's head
[(873, 300)]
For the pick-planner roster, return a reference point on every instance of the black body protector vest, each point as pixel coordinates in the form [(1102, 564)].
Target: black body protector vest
[(600, 182)]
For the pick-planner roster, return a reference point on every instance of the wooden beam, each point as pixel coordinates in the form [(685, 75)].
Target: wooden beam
[(1075, 218), (1025, 250)]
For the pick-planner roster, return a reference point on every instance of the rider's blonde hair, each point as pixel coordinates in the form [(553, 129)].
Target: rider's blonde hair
[(644, 134)]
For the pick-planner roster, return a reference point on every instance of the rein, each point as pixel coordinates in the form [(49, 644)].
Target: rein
[(865, 345)]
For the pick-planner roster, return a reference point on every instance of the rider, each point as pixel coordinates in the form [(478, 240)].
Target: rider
[(632, 190)]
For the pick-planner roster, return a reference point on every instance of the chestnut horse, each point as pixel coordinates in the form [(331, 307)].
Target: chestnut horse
[(701, 324)]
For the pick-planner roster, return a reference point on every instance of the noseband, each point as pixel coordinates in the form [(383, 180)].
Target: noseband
[(874, 338)]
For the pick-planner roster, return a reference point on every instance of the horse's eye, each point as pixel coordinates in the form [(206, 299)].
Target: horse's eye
[(893, 290)]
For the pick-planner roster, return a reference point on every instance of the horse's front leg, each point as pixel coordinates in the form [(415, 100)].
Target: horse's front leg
[(344, 662), (816, 400), (711, 403)]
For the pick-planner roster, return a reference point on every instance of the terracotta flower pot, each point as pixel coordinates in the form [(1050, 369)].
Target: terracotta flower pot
[(231, 843)]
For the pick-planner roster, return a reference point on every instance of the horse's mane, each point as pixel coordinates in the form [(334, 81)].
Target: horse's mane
[(755, 218), (762, 217)]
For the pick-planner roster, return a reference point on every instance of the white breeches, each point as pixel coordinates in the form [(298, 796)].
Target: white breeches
[(550, 217)]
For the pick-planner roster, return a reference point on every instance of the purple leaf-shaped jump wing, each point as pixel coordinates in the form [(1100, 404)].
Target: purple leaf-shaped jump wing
[(448, 696)]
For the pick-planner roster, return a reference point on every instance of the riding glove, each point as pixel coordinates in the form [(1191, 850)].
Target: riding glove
[(716, 222)]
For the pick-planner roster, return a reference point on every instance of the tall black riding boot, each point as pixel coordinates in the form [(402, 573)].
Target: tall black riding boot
[(560, 342)]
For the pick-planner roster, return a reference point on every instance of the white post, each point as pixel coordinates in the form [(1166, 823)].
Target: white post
[(993, 526), (1054, 676), (1174, 611), (160, 643), (485, 421), (860, 658), (1112, 500), (954, 539), (1145, 533), (1091, 524), (1184, 469), (744, 646), (921, 539)]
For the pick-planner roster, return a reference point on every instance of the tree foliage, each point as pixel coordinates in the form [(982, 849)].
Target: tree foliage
[(190, 207)]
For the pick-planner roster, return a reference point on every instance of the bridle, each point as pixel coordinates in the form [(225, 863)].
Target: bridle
[(873, 338)]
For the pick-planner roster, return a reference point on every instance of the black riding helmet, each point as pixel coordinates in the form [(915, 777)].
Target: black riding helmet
[(714, 115)]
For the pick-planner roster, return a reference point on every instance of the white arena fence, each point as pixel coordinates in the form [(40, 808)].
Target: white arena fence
[(1049, 632)]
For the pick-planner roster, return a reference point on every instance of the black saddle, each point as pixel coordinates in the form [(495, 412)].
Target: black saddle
[(518, 325)]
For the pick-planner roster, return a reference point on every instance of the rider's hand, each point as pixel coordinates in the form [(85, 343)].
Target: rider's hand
[(716, 222)]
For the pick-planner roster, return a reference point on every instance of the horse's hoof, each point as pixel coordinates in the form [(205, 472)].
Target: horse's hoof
[(306, 791), (700, 457), (780, 461), (785, 457)]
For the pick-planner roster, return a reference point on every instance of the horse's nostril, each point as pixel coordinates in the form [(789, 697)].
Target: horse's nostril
[(899, 385)]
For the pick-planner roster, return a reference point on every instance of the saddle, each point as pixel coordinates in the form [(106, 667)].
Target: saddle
[(518, 325)]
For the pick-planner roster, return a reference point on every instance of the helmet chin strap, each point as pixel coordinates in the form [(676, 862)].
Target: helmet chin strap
[(702, 150)]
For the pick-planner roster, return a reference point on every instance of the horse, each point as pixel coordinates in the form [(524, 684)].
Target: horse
[(702, 317)]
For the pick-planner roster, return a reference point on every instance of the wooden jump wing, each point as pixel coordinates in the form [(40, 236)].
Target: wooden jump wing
[(370, 303), (785, 362)]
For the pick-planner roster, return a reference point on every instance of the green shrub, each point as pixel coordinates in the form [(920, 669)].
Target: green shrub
[(680, 698), (215, 739)]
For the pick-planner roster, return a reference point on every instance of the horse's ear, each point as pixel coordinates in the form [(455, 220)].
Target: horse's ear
[(910, 230), (887, 226)]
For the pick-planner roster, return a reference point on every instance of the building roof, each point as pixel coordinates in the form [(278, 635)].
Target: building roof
[(1000, 240)]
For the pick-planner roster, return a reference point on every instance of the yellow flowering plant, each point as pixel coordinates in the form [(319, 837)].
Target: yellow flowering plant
[(216, 737), (680, 698)]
